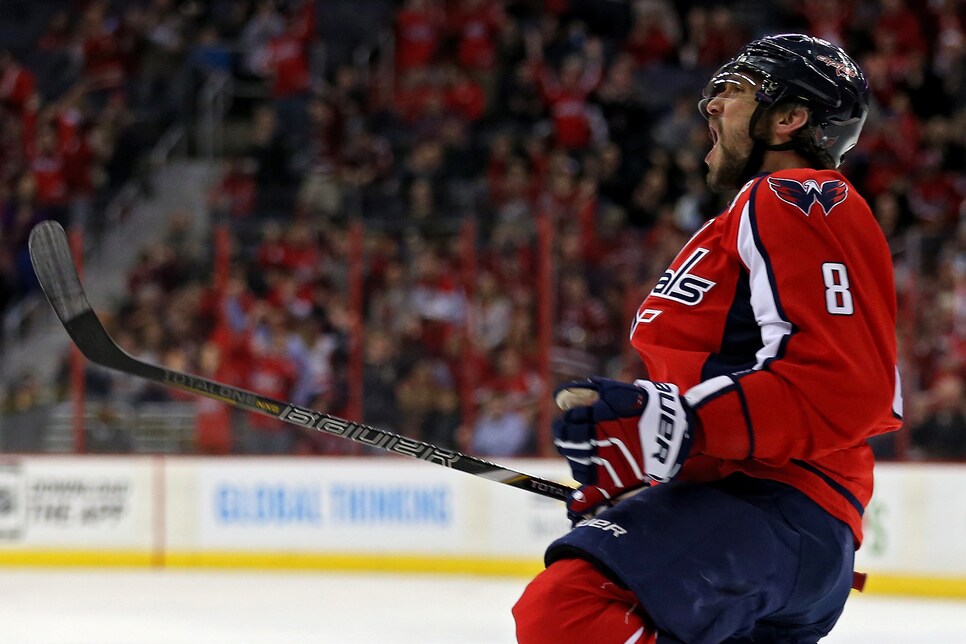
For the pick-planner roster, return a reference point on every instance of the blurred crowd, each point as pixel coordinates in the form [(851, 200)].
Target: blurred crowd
[(446, 146), (85, 89)]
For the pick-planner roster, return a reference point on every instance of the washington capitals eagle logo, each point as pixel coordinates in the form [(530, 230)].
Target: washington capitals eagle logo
[(803, 195)]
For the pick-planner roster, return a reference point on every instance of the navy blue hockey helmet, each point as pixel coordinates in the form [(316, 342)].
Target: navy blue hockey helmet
[(810, 70)]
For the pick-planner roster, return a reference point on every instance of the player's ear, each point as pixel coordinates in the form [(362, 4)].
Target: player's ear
[(789, 119)]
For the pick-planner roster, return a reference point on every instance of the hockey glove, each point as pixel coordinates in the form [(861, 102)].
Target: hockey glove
[(618, 437)]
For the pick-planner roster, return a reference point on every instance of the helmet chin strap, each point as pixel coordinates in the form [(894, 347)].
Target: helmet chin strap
[(757, 155)]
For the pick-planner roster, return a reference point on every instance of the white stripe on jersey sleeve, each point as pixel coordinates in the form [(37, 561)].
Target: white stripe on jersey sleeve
[(701, 392), (774, 329), (897, 397)]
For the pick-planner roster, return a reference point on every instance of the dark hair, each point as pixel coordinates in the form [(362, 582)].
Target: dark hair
[(805, 139)]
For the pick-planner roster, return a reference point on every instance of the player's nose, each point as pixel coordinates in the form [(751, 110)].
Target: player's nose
[(709, 106)]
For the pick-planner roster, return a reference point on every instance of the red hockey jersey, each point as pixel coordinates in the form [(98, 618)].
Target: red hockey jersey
[(778, 321)]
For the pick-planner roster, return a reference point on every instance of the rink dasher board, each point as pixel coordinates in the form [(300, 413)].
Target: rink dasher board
[(386, 513), (378, 513)]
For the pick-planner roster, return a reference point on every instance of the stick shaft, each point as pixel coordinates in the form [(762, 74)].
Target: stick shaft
[(50, 255)]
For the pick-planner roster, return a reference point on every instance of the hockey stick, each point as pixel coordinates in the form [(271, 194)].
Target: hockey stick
[(51, 258)]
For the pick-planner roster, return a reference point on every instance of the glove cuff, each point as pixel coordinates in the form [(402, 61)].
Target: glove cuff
[(665, 430)]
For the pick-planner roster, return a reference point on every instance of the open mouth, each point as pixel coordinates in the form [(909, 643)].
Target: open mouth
[(714, 142)]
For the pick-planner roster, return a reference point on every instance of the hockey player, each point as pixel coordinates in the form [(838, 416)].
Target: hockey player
[(770, 354)]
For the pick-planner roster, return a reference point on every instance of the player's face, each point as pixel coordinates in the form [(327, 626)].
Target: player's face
[(728, 108)]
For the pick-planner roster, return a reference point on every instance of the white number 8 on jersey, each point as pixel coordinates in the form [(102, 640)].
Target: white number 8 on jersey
[(838, 297)]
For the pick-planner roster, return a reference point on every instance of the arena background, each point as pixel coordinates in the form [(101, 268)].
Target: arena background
[(419, 215)]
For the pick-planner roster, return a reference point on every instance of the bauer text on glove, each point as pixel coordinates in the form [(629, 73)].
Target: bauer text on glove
[(618, 436)]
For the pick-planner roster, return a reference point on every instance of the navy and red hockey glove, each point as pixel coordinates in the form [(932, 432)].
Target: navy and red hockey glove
[(618, 437)]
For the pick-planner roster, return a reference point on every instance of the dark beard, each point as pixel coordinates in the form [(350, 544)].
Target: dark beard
[(729, 174)]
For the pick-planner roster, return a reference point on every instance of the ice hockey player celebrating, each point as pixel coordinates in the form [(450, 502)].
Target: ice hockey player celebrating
[(770, 355)]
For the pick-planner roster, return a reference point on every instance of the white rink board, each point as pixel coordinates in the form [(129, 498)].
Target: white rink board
[(377, 504), (381, 505), (99, 503), (916, 521), (154, 509)]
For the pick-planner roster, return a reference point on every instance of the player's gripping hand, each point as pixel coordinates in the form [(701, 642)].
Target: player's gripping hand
[(618, 437)]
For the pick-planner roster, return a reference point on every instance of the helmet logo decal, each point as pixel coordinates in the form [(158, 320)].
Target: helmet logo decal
[(803, 195), (842, 68)]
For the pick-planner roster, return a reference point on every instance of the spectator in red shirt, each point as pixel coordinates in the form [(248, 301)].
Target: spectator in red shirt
[(584, 323), (475, 25), (213, 418), (903, 24), (438, 299), (567, 95), (654, 35), (933, 196), (419, 26), (418, 94), (265, 23), (513, 378), (304, 23), (284, 61), (302, 255), (713, 35), (104, 66), (287, 294), (326, 131), (464, 96), (271, 249), (47, 168), (234, 194), (950, 43), (18, 85), (82, 156), (827, 19), (271, 373)]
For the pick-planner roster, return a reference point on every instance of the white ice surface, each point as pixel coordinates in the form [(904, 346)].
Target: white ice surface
[(178, 607)]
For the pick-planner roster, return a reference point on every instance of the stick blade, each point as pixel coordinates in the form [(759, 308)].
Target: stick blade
[(54, 266)]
